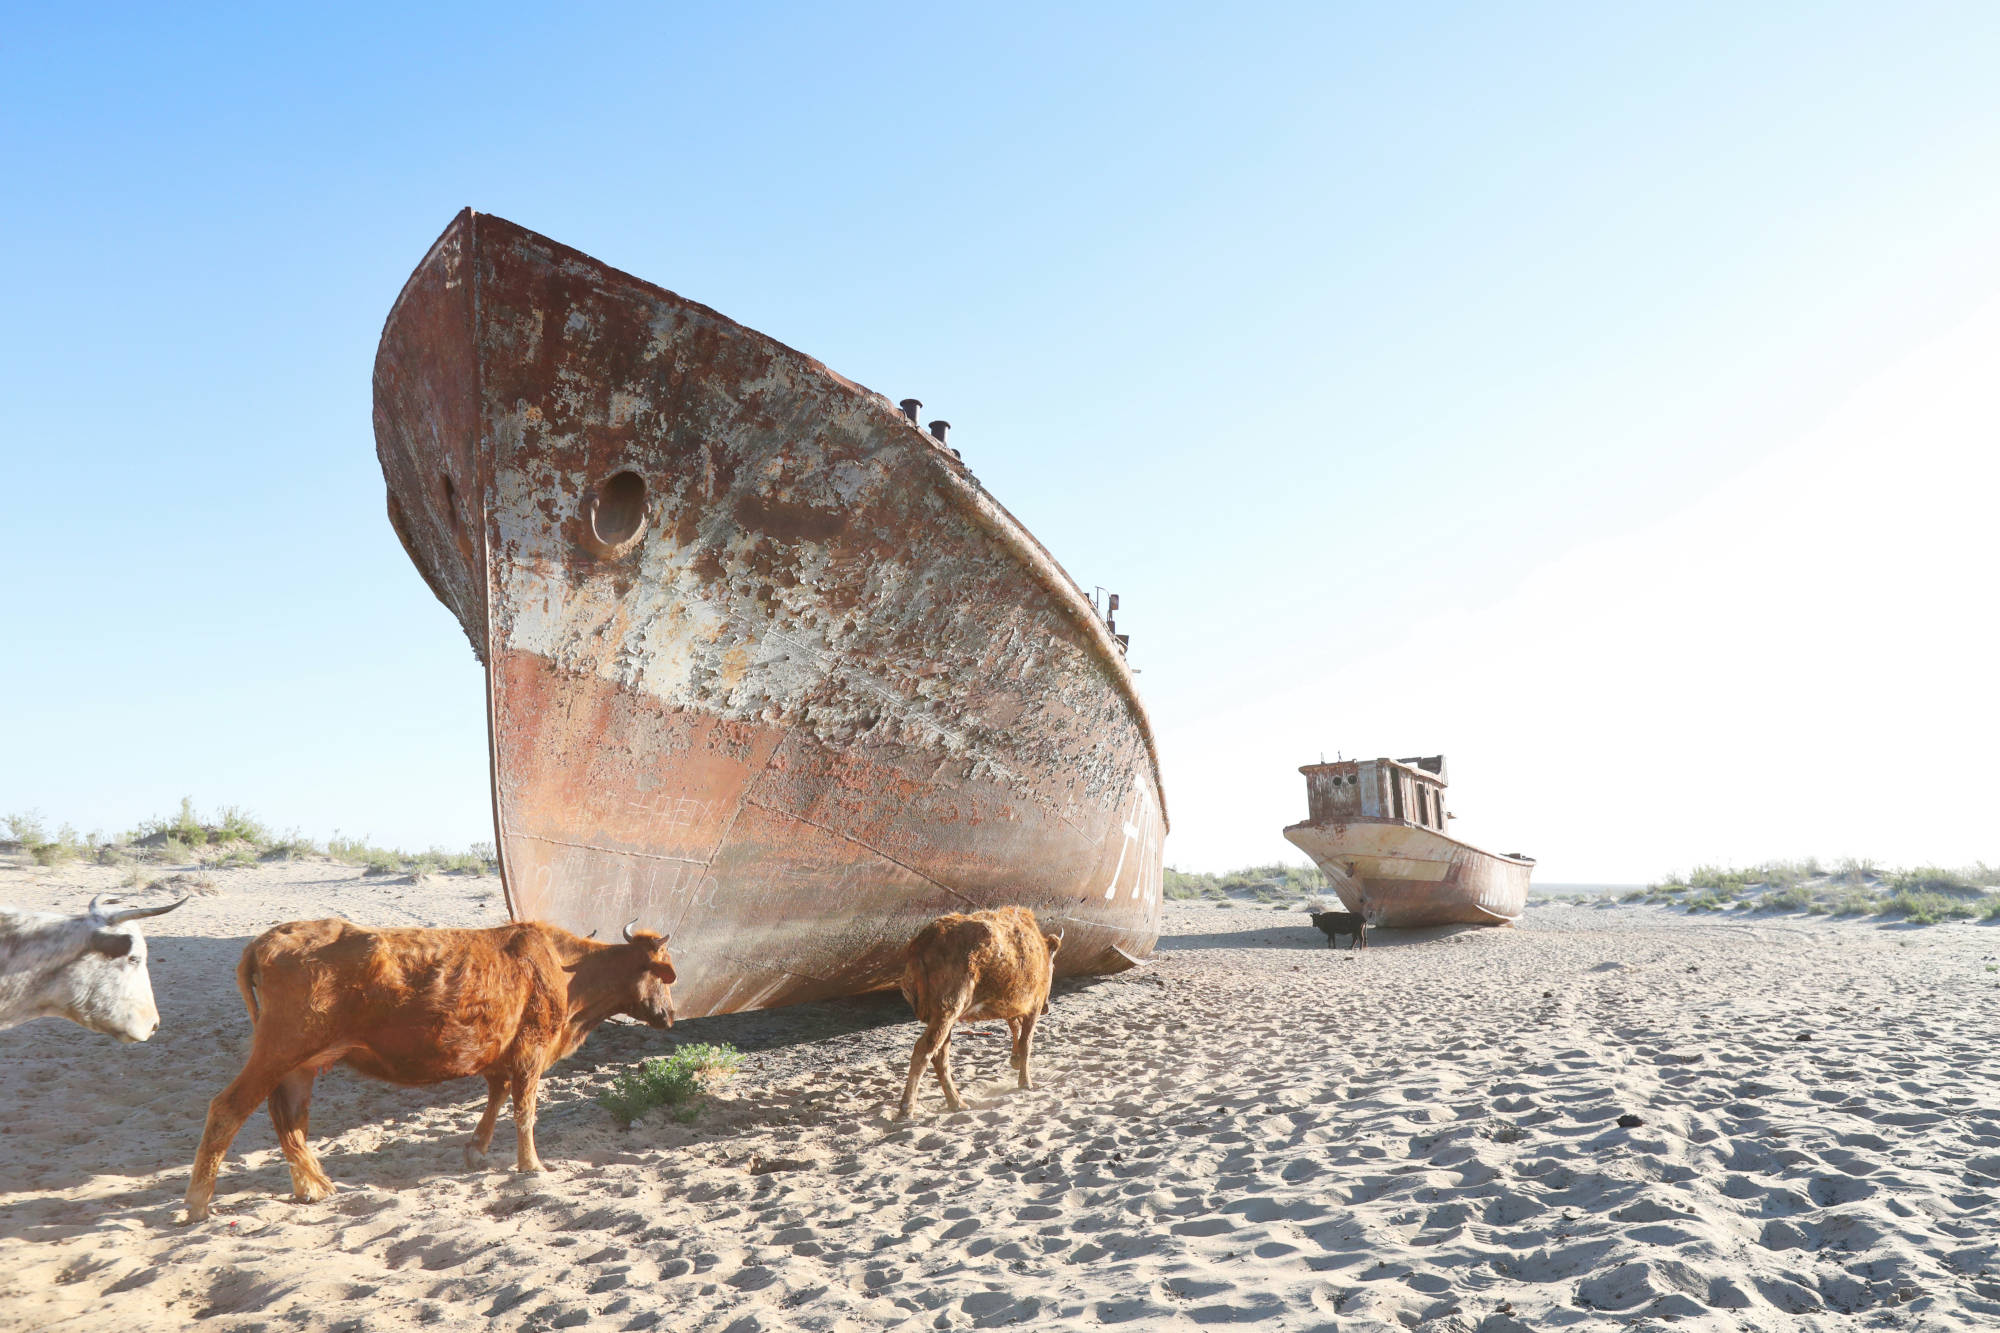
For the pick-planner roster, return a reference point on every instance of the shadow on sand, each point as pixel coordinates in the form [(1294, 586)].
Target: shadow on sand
[(1305, 936)]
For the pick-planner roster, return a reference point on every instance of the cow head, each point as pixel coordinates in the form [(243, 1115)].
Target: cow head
[(105, 987), (652, 998)]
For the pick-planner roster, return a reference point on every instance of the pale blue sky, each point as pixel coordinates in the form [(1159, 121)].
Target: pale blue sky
[(1302, 327)]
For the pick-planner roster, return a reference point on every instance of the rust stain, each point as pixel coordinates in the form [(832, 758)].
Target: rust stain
[(804, 688)]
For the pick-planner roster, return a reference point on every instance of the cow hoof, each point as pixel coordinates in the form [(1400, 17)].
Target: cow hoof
[(312, 1193), (196, 1212), (474, 1159)]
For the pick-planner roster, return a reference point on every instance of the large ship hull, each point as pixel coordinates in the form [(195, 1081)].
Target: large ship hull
[(766, 668), (1398, 875)]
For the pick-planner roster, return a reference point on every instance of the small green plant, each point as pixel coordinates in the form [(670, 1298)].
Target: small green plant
[(177, 851), (677, 1081), (1850, 902)]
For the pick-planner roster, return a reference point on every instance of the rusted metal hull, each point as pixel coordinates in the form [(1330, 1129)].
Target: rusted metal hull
[(1398, 875), (766, 668)]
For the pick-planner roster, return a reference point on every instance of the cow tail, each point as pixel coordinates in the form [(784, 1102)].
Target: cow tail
[(246, 982)]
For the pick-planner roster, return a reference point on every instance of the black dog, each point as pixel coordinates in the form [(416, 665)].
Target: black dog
[(1343, 923)]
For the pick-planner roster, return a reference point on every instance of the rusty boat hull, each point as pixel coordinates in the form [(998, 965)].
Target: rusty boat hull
[(1399, 876), (1377, 829), (766, 668)]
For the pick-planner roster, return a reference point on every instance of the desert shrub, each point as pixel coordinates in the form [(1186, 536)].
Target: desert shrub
[(1181, 884), (237, 856), (1853, 871), (357, 852), (234, 824), (1797, 898), (1850, 902), (292, 847), (1707, 902), (1927, 909), (47, 849), (1636, 896), (676, 1081), (1935, 879), (177, 851), (183, 827)]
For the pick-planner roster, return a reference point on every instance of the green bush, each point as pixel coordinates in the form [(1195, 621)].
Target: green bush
[(1927, 909), (47, 849), (1852, 871), (357, 852), (1797, 898), (292, 847), (1935, 879), (676, 1081)]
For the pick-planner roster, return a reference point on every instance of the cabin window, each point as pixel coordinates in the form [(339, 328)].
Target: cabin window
[(1396, 794)]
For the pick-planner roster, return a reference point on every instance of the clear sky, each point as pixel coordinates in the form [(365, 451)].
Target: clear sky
[(1607, 396)]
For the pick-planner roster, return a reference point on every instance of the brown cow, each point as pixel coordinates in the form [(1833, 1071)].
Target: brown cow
[(418, 1007), (963, 967)]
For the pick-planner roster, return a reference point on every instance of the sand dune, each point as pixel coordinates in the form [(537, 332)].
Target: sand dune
[(1255, 1130)]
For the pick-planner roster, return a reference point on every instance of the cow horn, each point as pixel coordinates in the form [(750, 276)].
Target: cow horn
[(628, 929), (133, 913)]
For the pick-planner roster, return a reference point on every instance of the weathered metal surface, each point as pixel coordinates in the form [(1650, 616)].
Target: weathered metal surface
[(1376, 829), (765, 667)]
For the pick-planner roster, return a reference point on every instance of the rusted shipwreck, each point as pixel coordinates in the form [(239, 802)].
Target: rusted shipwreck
[(766, 668), (1377, 829)]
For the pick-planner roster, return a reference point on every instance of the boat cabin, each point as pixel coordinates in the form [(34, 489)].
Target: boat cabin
[(1405, 791)]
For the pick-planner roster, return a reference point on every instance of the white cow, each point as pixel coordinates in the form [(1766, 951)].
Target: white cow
[(89, 968)]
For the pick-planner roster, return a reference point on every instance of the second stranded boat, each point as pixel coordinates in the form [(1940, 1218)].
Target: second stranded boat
[(766, 668), (1376, 829)]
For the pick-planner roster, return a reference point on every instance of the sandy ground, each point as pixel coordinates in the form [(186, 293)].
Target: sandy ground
[(1253, 1130)]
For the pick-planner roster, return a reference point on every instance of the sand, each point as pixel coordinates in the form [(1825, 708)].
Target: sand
[(1254, 1130)]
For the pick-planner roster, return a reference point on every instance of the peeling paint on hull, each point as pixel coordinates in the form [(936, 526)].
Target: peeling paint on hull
[(766, 668)]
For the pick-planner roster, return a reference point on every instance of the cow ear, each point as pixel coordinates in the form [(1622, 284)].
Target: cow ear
[(1053, 941), (111, 943), (664, 971)]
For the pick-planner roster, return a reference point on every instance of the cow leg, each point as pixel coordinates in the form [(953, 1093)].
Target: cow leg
[(226, 1114), (925, 1045), (1014, 1031), (291, 1106), (1022, 1045), (482, 1137), (525, 1087), (941, 1061)]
